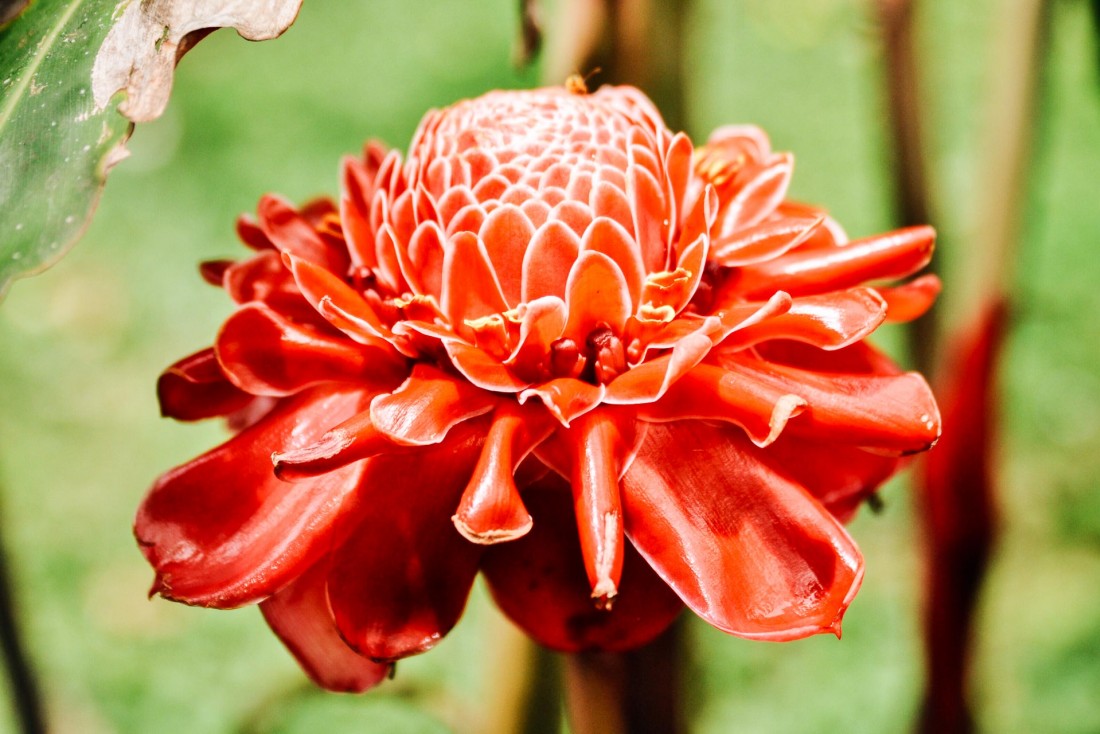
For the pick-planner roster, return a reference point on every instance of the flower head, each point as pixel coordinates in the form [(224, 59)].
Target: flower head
[(557, 344)]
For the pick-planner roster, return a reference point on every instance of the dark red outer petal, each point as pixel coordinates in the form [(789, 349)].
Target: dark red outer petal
[(400, 579), (264, 353), (840, 477), (748, 550), (222, 531), (300, 616), (195, 388), (911, 300), (540, 583)]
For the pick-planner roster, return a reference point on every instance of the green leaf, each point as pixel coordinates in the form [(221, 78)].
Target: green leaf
[(74, 76)]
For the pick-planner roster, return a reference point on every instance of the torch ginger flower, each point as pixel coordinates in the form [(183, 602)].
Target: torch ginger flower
[(557, 344)]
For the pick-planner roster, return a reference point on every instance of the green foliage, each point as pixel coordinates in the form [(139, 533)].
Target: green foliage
[(55, 146)]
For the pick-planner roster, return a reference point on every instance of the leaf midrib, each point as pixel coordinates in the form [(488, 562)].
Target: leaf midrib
[(41, 52)]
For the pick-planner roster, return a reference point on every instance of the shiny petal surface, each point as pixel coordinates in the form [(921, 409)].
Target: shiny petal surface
[(425, 408), (222, 531), (195, 388), (747, 549), (300, 616), (540, 583), (400, 578)]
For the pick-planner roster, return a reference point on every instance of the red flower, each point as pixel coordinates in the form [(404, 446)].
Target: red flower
[(556, 345)]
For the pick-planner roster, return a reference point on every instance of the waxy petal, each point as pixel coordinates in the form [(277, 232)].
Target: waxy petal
[(650, 380), (747, 549), (427, 406), (291, 232), (894, 413), (764, 241), (195, 388), (337, 302), (222, 531), (300, 616), (566, 398), (758, 197), (610, 238), (893, 255), (265, 354), (596, 293), (400, 578), (910, 300), (548, 260), (507, 232), (539, 582), (491, 510), (353, 440), (828, 321), (471, 289)]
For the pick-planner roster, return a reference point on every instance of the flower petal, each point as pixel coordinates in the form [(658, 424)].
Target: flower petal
[(892, 255), (596, 293), (911, 300), (763, 242), (758, 197), (566, 398), (491, 510), (400, 579), (427, 406), (651, 379), (470, 285), (195, 388), (222, 531), (748, 550), (507, 233), (300, 616), (711, 393), (610, 238), (828, 321), (337, 301), (353, 440), (291, 232), (893, 413), (548, 259), (264, 353), (539, 582)]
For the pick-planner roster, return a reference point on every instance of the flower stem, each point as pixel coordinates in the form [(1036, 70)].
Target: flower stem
[(24, 687), (636, 692)]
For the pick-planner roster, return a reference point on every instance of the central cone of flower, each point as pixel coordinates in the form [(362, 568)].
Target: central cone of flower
[(560, 345)]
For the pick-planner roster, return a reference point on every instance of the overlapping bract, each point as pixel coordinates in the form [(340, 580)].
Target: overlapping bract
[(559, 345)]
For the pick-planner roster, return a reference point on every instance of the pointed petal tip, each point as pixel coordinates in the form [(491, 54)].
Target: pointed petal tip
[(492, 536)]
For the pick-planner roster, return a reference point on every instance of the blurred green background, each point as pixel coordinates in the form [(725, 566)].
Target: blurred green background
[(81, 440)]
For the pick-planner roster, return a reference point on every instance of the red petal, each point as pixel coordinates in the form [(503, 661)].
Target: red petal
[(548, 259), (650, 380), (507, 233), (266, 354), (596, 293), (610, 238), (566, 398), (427, 406), (758, 197), (491, 510), (599, 443), (911, 300), (399, 581), (894, 413), (711, 393), (353, 440), (300, 616), (357, 191), (892, 255), (291, 232), (652, 225), (470, 286), (222, 531), (828, 321), (195, 388), (337, 302), (763, 242), (539, 582), (749, 551)]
